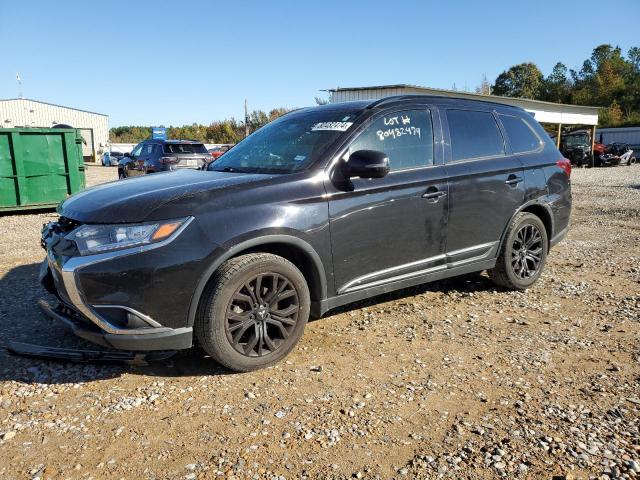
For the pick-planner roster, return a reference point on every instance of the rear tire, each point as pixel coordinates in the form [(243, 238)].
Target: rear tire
[(253, 311), (523, 253)]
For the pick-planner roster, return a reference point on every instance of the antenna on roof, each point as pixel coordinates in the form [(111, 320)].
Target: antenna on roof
[(19, 80)]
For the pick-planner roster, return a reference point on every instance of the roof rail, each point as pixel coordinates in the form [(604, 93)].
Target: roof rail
[(461, 96), (394, 98)]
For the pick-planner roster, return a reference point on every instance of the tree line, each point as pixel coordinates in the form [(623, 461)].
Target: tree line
[(230, 130), (608, 79)]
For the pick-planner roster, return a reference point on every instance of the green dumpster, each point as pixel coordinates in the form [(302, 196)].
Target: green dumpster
[(39, 167)]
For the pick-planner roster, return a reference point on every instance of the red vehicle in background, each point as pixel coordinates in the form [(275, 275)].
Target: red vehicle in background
[(217, 152), (598, 150)]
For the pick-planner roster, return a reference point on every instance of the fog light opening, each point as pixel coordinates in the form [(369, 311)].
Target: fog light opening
[(134, 321)]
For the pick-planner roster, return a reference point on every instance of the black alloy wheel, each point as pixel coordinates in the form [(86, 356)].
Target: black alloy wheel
[(262, 314), (253, 311), (526, 252), (522, 254)]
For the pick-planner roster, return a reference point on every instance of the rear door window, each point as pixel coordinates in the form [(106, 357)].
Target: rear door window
[(146, 151), (474, 134), (522, 138), (406, 137)]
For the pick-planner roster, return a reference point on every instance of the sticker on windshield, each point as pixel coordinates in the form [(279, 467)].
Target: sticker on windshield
[(299, 158), (335, 126)]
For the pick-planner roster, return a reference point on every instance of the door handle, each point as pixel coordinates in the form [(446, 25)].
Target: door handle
[(513, 180), (434, 195)]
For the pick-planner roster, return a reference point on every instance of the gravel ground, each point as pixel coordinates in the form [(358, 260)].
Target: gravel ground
[(456, 379)]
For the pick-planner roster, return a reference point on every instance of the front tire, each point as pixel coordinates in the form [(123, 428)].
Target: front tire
[(590, 161), (523, 253), (253, 311)]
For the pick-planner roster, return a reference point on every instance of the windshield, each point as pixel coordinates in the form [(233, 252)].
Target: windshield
[(288, 144), (575, 140), (184, 148)]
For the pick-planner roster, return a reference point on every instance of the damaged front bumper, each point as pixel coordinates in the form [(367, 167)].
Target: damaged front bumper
[(155, 339), (111, 322)]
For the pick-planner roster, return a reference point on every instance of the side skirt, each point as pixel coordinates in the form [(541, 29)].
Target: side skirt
[(320, 308)]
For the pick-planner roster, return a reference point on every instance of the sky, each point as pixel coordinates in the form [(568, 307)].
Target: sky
[(176, 63)]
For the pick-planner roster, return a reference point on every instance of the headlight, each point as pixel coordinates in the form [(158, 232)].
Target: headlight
[(92, 239)]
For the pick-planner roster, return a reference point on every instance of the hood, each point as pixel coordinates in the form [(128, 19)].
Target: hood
[(154, 197)]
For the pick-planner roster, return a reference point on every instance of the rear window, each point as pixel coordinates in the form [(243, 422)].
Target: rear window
[(184, 148), (521, 136), (117, 154), (474, 134)]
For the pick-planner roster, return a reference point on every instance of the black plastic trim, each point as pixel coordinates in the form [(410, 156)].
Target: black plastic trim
[(320, 308), (172, 339)]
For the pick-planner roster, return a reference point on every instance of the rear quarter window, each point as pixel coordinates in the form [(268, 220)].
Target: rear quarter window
[(522, 138), (474, 134)]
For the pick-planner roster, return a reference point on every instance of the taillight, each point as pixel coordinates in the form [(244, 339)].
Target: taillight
[(565, 165), (168, 160)]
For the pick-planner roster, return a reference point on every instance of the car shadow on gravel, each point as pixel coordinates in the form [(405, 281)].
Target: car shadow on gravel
[(21, 320)]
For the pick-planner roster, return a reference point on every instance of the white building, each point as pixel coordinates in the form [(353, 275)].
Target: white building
[(22, 112)]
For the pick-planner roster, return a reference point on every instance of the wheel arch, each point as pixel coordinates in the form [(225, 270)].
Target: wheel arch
[(292, 248), (543, 212), (539, 209)]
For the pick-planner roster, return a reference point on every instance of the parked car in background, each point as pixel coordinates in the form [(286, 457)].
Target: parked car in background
[(322, 207), (111, 159), (218, 151), (151, 156)]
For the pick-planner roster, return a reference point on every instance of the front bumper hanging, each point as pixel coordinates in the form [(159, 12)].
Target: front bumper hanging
[(127, 357), (86, 356), (162, 339)]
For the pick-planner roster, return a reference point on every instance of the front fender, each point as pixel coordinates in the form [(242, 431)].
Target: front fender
[(252, 240)]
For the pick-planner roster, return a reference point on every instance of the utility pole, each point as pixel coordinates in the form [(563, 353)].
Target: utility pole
[(246, 119), (19, 80)]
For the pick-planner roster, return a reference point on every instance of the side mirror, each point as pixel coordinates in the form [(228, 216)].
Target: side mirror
[(367, 164)]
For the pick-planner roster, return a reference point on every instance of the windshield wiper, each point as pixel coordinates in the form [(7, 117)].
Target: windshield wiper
[(229, 170)]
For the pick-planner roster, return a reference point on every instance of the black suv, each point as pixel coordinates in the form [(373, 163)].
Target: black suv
[(323, 207), (151, 156)]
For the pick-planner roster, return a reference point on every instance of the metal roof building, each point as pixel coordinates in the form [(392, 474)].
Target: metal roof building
[(544, 112), (23, 112)]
